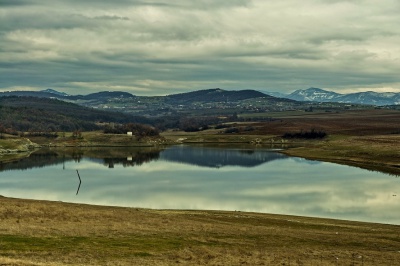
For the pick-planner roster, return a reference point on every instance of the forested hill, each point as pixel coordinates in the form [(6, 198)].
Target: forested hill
[(43, 114), (50, 93), (215, 95), (102, 95)]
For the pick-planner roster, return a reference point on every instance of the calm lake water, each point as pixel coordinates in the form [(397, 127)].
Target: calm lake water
[(195, 177)]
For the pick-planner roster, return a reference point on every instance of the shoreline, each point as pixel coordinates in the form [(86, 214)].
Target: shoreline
[(312, 150), (374, 153), (346, 152), (390, 169)]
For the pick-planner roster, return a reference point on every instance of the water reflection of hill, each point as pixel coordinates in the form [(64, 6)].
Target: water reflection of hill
[(128, 157), (215, 157)]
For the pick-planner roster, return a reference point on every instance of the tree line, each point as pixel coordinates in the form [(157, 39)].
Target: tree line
[(310, 134), (137, 130), (33, 115)]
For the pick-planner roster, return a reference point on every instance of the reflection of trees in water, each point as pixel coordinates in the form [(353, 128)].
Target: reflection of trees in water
[(135, 159), (39, 159), (129, 157), (109, 157), (201, 156), (247, 151), (77, 155)]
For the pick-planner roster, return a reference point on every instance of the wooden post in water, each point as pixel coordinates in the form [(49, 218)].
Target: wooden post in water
[(80, 182)]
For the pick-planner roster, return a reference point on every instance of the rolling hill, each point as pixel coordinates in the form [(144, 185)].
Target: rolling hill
[(113, 98), (21, 113), (216, 95), (216, 99)]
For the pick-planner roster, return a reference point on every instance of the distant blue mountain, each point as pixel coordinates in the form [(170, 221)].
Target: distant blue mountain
[(368, 97), (55, 92), (50, 93), (313, 94), (219, 95), (276, 94)]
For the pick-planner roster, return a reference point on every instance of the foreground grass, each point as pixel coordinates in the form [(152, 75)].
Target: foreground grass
[(56, 233)]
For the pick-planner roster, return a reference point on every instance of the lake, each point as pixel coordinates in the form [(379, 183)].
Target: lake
[(209, 178)]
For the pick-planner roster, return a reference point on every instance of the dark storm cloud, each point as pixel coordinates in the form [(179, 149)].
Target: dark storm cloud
[(13, 3), (162, 47)]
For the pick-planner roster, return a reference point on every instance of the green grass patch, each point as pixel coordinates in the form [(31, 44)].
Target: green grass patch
[(8, 144), (29, 244), (120, 247)]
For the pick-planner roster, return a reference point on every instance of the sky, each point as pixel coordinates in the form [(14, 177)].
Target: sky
[(161, 47)]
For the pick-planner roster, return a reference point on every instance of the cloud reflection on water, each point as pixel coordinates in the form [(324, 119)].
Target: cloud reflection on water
[(284, 185)]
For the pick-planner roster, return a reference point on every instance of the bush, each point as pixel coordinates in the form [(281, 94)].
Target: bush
[(312, 134), (220, 126), (248, 128), (191, 129), (232, 130), (40, 134)]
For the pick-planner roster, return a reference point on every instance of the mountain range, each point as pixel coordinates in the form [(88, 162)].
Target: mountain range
[(217, 99), (208, 95), (320, 95), (99, 99)]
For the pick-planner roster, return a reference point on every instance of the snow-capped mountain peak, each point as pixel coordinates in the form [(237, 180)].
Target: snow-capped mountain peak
[(368, 97), (313, 94)]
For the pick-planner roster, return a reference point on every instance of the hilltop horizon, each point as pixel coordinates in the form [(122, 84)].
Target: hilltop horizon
[(263, 90), (221, 95)]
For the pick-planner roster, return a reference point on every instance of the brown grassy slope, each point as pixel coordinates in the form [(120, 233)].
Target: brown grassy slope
[(353, 123), (379, 152), (55, 233)]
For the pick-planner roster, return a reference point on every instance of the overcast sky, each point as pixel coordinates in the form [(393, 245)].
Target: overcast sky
[(160, 47)]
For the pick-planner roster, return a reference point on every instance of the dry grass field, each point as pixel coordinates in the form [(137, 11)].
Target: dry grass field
[(351, 123), (56, 233)]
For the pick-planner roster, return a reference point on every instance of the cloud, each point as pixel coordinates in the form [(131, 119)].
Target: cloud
[(162, 47), (13, 3)]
